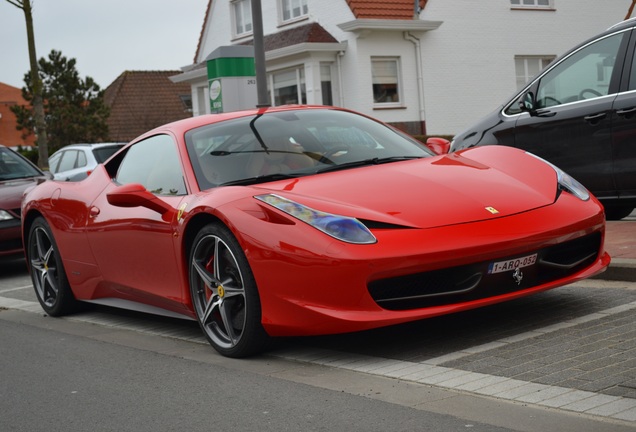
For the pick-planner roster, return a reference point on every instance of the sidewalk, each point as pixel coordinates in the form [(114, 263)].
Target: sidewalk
[(620, 242)]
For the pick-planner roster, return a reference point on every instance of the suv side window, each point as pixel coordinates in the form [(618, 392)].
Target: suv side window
[(53, 162), (584, 75), (68, 160), (81, 159), (154, 163), (632, 75)]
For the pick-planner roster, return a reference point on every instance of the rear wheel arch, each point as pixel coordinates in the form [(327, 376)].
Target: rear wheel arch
[(27, 222)]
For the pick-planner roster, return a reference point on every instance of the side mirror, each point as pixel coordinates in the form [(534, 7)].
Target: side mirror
[(439, 146), (136, 195), (527, 102)]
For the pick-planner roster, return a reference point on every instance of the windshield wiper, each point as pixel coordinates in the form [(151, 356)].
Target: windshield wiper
[(364, 162), (262, 179)]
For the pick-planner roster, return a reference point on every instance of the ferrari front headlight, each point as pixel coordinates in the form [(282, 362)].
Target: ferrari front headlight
[(343, 228), (567, 182)]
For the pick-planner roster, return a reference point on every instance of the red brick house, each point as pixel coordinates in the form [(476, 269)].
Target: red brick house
[(9, 135), (142, 100)]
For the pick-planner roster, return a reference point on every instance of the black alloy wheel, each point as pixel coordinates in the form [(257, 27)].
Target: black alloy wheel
[(47, 272), (224, 294)]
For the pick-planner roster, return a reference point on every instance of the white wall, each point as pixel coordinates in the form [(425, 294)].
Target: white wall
[(469, 59), (468, 62)]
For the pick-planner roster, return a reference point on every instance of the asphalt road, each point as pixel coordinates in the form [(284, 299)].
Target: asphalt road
[(107, 369)]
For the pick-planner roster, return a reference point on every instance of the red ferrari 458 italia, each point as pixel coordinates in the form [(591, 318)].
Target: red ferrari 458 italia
[(305, 220)]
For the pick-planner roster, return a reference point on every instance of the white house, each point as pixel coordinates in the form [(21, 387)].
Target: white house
[(427, 66)]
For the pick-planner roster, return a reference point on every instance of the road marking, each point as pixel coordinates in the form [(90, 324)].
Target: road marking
[(427, 372), (15, 289)]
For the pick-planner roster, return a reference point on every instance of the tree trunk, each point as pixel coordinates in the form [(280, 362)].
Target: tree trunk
[(36, 84)]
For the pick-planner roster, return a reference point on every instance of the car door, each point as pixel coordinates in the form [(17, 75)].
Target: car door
[(135, 246), (570, 120), (624, 129)]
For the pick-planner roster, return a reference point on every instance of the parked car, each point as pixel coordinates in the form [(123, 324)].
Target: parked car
[(306, 220), (580, 114), (17, 174), (76, 161)]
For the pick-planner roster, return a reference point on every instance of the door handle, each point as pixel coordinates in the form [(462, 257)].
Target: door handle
[(625, 111), (593, 118), (544, 113)]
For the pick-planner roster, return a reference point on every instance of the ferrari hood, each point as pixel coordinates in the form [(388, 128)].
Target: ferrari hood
[(477, 184)]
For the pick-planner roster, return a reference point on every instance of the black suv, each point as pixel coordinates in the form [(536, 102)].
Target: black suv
[(580, 114)]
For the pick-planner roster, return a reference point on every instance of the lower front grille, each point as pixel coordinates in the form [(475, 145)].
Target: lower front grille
[(473, 282)]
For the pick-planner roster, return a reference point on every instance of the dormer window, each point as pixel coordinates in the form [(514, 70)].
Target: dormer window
[(242, 16), (532, 4), (293, 9)]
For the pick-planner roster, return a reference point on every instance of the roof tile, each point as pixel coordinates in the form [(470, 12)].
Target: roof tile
[(142, 100), (384, 9)]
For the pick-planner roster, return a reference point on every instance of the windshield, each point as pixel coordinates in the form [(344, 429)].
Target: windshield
[(295, 143), (13, 166)]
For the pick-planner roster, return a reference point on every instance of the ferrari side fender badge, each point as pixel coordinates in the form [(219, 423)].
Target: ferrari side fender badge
[(492, 210), (182, 208)]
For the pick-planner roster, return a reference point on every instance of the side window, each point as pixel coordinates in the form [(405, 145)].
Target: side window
[(53, 162), (68, 160), (385, 78), (585, 74), (632, 75), (288, 86), (527, 67), (153, 162), (81, 159)]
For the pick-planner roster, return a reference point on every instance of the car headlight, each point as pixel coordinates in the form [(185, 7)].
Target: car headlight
[(567, 182), (5, 215), (343, 228)]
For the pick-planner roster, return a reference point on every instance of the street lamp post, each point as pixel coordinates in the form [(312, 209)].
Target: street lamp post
[(259, 55)]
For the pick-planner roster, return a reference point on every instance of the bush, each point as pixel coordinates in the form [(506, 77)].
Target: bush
[(31, 153)]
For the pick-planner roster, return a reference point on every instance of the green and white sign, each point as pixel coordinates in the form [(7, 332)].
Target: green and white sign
[(232, 79), (216, 101)]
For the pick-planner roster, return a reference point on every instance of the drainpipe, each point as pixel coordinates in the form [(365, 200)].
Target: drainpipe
[(416, 9), (340, 83), (420, 79)]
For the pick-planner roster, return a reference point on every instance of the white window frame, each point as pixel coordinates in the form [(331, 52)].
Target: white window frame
[(528, 66), (326, 83), (241, 10), (532, 4), (288, 6), (301, 89), (398, 83)]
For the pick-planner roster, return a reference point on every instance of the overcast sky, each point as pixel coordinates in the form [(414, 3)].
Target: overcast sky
[(106, 37)]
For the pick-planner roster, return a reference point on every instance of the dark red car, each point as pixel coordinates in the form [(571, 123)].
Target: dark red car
[(16, 174)]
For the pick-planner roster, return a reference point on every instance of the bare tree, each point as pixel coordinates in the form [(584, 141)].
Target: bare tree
[(36, 83), (631, 9)]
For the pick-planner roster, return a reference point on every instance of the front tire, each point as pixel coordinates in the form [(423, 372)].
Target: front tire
[(224, 294), (47, 271)]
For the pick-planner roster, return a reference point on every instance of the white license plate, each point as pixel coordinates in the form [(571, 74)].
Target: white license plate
[(508, 265)]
